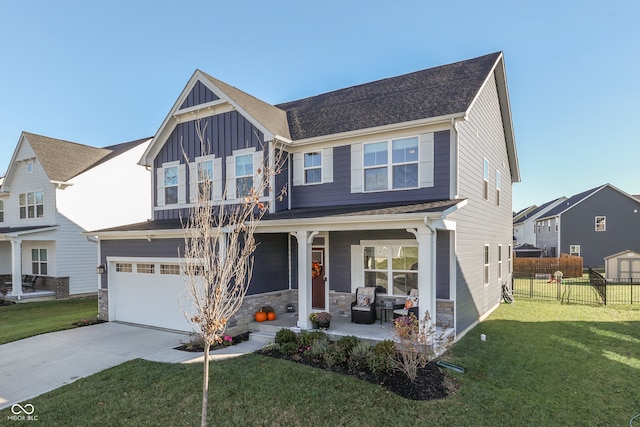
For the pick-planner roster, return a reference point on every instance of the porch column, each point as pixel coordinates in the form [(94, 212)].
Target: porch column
[(304, 238), (426, 239), (16, 268)]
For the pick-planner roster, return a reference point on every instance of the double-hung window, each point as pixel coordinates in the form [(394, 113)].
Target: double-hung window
[(391, 164), (393, 267), (601, 223), (31, 204), (204, 175), (499, 261), (39, 261), (171, 185), (497, 188), (313, 167), (486, 265), (1, 210), (485, 182), (244, 174)]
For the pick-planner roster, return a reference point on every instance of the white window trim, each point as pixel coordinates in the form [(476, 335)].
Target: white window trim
[(182, 194), (604, 223), (35, 205), (498, 192), (425, 163), (326, 167), (486, 261), (40, 262), (485, 179), (571, 251), (499, 262), (258, 158), (358, 250), (217, 178), (389, 165), (29, 167)]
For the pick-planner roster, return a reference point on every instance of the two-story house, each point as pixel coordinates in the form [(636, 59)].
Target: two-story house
[(524, 225), (593, 225), (399, 183), (52, 193)]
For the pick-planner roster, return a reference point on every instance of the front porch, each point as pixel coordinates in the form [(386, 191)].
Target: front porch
[(34, 288), (341, 326)]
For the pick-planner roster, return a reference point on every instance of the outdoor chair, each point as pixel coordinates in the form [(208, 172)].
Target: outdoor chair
[(410, 305), (29, 282), (363, 309)]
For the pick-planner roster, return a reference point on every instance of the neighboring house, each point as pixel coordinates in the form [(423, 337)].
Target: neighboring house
[(52, 193), (593, 224), (400, 183), (524, 225)]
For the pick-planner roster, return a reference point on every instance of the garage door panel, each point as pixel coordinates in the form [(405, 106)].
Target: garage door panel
[(152, 299)]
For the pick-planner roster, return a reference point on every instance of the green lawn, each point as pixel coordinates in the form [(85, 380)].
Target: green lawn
[(33, 318), (543, 364)]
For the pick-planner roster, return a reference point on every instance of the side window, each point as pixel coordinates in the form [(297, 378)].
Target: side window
[(170, 185), (601, 223), (31, 205), (499, 261), (574, 250), (204, 176), (1, 210), (485, 182), (486, 265), (497, 188)]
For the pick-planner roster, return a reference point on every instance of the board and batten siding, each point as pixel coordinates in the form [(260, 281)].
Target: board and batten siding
[(200, 94), (225, 133), (481, 222), (338, 192)]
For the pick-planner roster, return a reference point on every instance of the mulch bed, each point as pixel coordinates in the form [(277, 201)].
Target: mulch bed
[(430, 384), (196, 347)]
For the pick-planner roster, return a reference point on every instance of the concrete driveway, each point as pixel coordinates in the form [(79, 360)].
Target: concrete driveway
[(39, 364)]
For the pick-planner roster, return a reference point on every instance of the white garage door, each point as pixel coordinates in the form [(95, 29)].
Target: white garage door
[(147, 292)]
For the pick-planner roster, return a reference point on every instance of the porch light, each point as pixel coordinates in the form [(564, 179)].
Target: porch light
[(100, 269)]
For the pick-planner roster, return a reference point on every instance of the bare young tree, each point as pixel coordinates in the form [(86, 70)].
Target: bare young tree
[(218, 250)]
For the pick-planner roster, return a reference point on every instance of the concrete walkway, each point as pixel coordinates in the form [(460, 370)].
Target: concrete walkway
[(37, 365)]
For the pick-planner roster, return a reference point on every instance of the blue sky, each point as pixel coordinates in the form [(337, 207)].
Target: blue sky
[(101, 73)]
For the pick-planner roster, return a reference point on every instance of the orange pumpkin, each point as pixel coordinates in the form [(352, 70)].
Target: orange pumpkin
[(260, 316), (271, 316)]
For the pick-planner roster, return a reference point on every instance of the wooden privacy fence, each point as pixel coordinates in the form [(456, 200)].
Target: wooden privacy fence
[(571, 266)]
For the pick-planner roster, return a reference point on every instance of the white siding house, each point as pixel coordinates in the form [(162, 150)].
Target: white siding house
[(55, 190)]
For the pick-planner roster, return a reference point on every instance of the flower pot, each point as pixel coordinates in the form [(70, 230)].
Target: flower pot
[(324, 325), (314, 325)]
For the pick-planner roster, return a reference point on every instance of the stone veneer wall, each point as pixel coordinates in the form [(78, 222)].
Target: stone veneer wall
[(252, 303), (444, 316), (103, 304)]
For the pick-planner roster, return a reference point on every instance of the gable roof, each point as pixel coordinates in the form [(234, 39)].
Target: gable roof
[(442, 93), (536, 211), (62, 160), (434, 92), (578, 198)]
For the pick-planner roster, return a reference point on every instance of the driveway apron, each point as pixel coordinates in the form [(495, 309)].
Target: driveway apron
[(39, 364)]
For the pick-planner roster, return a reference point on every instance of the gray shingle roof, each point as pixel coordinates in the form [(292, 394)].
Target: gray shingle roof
[(434, 92), (62, 160)]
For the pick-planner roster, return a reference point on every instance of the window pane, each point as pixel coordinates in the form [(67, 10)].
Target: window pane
[(375, 278), (205, 171), (171, 176), (375, 179), (405, 176), (30, 212), (30, 198), (23, 199), (244, 165), (34, 268), (375, 154), (43, 255), (312, 160), (375, 258), (405, 150), (43, 269), (243, 186), (39, 197), (404, 257), (312, 176), (23, 212), (404, 282), (171, 195), (35, 255), (40, 211)]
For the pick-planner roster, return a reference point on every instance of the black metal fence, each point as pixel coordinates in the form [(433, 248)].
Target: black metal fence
[(578, 290)]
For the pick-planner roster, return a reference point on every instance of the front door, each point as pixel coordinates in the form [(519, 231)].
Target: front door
[(317, 278)]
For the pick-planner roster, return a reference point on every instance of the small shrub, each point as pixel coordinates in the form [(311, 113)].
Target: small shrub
[(289, 348), (318, 349), (348, 343), (307, 338), (359, 355), (285, 336), (381, 358), (335, 355)]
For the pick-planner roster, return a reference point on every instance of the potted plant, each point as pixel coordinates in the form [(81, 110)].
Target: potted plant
[(271, 313), (321, 320)]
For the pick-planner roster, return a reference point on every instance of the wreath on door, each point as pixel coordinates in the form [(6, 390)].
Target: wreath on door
[(316, 269)]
